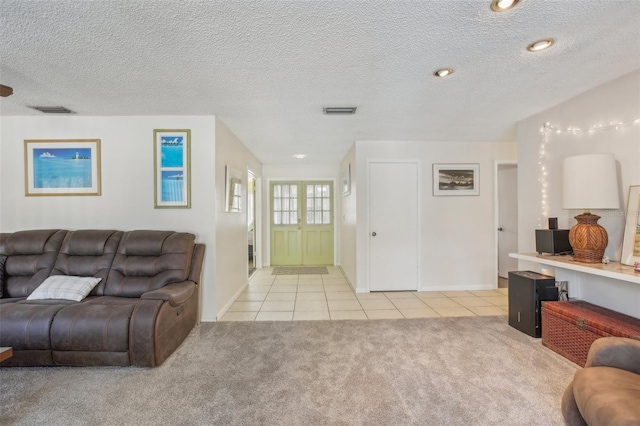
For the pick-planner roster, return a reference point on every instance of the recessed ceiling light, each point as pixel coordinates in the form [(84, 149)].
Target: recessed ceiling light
[(443, 72), (536, 46), (299, 156), (502, 5), (339, 110)]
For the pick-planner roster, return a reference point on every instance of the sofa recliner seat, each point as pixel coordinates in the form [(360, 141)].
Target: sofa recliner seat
[(607, 390), (143, 308)]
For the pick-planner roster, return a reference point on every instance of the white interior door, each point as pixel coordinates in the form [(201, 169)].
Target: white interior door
[(393, 232), (507, 218)]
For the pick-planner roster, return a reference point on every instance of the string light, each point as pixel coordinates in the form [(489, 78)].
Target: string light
[(548, 129)]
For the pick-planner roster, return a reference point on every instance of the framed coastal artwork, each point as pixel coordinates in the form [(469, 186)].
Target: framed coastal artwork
[(62, 167), (631, 242), (456, 179), (172, 168), (346, 180), (233, 190)]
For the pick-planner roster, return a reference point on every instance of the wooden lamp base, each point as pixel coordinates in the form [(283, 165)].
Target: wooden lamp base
[(588, 239)]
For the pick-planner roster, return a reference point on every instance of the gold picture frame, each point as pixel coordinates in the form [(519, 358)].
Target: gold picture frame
[(631, 241), (172, 168), (60, 167)]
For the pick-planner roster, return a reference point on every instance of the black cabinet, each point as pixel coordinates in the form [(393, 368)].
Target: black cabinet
[(526, 290)]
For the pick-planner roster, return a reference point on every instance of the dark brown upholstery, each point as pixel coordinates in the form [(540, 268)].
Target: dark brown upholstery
[(88, 253), (607, 390), (149, 260), (145, 306), (30, 259)]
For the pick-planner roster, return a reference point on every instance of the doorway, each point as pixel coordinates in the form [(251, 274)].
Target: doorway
[(302, 223), (394, 227), (251, 223), (506, 219)]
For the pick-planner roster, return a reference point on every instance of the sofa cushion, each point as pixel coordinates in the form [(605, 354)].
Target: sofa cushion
[(100, 324), (88, 253), (149, 260), (64, 287), (27, 326), (3, 259), (607, 396), (30, 259)]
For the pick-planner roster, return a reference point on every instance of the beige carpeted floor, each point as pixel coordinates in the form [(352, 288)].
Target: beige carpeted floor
[(440, 371)]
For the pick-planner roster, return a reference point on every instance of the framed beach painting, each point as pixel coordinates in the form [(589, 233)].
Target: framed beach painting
[(456, 179), (172, 168), (62, 167), (631, 242), (346, 180), (233, 189)]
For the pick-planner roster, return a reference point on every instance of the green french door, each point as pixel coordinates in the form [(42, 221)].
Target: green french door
[(301, 223)]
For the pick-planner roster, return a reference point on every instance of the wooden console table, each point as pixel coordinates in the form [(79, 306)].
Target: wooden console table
[(5, 353), (614, 286)]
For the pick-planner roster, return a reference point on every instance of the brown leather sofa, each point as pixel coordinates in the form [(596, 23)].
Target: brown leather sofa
[(607, 390), (138, 314)]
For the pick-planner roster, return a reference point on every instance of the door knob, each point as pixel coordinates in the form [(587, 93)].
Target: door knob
[(373, 234), (500, 229)]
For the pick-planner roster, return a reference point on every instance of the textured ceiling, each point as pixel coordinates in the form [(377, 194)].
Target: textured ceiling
[(267, 68)]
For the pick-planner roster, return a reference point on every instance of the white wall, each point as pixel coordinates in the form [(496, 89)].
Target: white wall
[(294, 172), (231, 228), (127, 200), (457, 233), (618, 100), (346, 219)]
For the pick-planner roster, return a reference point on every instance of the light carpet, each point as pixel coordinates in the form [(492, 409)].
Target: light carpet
[(441, 371)]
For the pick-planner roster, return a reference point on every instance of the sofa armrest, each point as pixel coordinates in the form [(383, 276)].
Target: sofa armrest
[(618, 352), (195, 273), (176, 294)]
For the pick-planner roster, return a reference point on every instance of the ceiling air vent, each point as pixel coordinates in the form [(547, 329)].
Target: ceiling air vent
[(52, 110), (339, 110)]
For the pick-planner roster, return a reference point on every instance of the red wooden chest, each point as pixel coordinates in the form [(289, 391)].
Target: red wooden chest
[(569, 328)]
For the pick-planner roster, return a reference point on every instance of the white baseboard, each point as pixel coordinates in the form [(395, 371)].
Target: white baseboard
[(226, 307), (444, 287)]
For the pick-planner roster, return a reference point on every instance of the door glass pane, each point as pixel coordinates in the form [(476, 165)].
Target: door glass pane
[(285, 190), (319, 191), (276, 190), (285, 204), (277, 218), (309, 191), (293, 218), (310, 204), (318, 218), (277, 204), (310, 218), (325, 190), (294, 190), (326, 217), (326, 204)]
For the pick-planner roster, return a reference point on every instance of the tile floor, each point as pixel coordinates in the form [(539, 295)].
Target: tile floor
[(329, 297)]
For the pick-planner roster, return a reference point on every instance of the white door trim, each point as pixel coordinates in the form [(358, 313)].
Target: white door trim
[(418, 164), (496, 213)]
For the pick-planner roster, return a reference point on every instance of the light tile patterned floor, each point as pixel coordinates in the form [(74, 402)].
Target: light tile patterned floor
[(329, 297)]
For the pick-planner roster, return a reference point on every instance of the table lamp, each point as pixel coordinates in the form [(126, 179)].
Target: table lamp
[(589, 182)]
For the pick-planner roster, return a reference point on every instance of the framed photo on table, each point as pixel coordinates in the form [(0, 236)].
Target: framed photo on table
[(631, 242), (62, 167), (172, 168), (456, 179)]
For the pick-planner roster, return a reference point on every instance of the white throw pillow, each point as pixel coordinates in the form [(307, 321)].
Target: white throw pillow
[(64, 287)]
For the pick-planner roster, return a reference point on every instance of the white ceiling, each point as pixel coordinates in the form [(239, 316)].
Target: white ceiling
[(267, 68)]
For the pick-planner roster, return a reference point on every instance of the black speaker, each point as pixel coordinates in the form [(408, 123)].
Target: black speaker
[(553, 223), (553, 241)]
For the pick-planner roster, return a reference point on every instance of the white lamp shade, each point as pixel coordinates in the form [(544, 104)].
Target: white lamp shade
[(590, 182)]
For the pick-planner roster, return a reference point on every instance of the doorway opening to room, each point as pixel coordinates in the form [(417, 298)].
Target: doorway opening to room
[(506, 220), (252, 245), (301, 223)]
